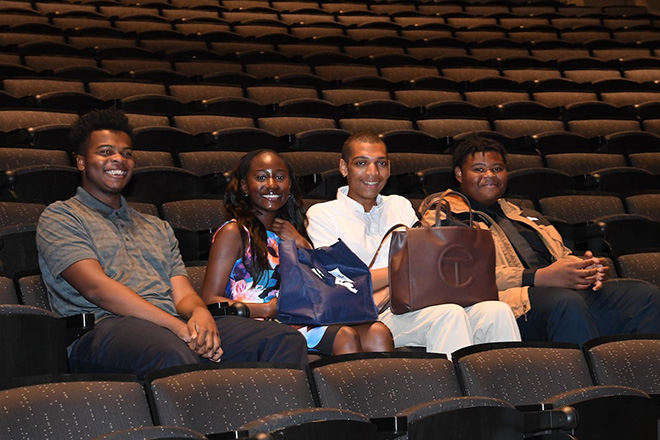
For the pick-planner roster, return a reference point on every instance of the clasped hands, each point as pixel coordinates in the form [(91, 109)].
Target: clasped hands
[(201, 335), (574, 273)]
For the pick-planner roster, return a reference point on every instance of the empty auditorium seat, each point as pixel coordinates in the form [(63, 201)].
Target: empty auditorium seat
[(45, 183), (644, 204), (426, 390), (115, 89), (271, 389), (541, 370), (440, 128), (581, 208), (79, 406), (632, 142), (194, 222), (575, 164), (323, 139), (536, 183), (564, 142), (196, 124), (7, 291), (12, 158), (281, 126), (598, 119), (162, 183), (627, 360), (643, 266), (32, 290)]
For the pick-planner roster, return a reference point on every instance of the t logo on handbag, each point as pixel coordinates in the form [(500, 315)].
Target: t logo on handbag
[(450, 262)]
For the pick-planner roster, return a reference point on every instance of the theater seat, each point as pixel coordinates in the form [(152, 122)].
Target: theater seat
[(74, 407), (642, 266), (279, 397), (555, 375), (418, 390)]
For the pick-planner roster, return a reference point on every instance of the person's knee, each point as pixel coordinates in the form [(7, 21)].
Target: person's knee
[(286, 335), (380, 338), (346, 341), (381, 330), (171, 356), (493, 308), (448, 310), (570, 302), (651, 291)]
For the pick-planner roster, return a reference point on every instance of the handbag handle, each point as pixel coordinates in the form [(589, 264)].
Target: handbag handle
[(443, 204), (387, 234)]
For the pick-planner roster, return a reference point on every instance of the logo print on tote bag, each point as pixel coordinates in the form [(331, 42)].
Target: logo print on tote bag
[(340, 279), (454, 266), (343, 280)]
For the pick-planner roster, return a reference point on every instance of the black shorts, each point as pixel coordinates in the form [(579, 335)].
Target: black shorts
[(324, 347)]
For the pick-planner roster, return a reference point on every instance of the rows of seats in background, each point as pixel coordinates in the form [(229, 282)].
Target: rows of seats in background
[(570, 91)]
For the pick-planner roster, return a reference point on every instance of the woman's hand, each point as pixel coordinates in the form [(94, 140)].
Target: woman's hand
[(286, 231)]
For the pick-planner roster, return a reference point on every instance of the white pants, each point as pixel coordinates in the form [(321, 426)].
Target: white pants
[(448, 327)]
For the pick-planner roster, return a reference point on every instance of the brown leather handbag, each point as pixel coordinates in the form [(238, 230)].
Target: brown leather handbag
[(441, 264)]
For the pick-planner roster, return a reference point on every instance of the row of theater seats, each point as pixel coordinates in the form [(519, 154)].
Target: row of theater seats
[(305, 63), (177, 62), (217, 13), (27, 171), (197, 8), (344, 16), (457, 73), (481, 90), (87, 39), (449, 119), (487, 391), (626, 230)]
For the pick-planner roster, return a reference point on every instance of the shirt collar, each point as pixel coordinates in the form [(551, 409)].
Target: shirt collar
[(342, 196), (92, 202), (488, 209)]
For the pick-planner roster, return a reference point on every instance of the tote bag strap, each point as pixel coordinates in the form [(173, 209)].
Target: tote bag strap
[(443, 204), (317, 268), (387, 234)]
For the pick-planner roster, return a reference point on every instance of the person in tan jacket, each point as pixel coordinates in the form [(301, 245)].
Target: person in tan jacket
[(555, 295)]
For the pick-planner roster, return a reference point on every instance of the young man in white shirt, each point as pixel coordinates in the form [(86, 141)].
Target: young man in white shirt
[(360, 216)]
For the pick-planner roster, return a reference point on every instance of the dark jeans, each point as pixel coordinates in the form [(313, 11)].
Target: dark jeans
[(132, 345), (566, 315)]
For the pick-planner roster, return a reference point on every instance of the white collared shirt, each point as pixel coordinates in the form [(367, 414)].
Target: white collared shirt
[(361, 231)]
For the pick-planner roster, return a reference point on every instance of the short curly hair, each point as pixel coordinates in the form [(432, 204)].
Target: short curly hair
[(473, 144), (106, 119)]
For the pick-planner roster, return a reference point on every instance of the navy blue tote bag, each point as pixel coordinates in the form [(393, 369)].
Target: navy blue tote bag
[(324, 286)]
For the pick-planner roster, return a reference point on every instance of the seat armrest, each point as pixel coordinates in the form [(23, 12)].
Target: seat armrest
[(564, 418), (78, 325), (535, 407), (390, 427), (243, 434)]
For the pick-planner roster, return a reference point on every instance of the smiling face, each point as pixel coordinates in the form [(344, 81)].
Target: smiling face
[(267, 185), (106, 165), (366, 171), (483, 177)]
